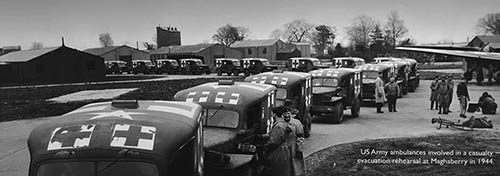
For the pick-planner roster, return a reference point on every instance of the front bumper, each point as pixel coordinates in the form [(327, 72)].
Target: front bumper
[(322, 109)]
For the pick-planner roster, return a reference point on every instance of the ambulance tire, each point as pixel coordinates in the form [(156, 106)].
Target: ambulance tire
[(338, 114)]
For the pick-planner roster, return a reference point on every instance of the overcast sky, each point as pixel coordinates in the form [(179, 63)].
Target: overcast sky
[(23, 22)]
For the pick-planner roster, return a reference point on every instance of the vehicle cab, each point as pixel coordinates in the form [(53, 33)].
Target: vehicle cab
[(370, 74), (236, 115), (116, 67), (228, 65), (335, 90), (378, 60), (140, 138), (304, 64), (193, 66), (143, 66), (294, 86), (347, 62), (169, 66), (256, 66)]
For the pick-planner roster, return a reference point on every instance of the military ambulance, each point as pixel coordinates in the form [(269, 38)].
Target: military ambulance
[(402, 71), (228, 66), (370, 73), (304, 64), (413, 76), (347, 62), (236, 116), (256, 66), (143, 66), (194, 66), (293, 86), (139, 138), (116, 67), (335, 90), (169, 66)]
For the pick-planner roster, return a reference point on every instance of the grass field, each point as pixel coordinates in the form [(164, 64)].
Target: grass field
[(26, 103), (441, 152)]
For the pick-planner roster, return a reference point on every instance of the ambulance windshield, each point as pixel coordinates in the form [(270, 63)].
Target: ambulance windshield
[(221, 118)]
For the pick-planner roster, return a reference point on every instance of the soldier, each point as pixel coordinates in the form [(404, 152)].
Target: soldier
[(451, 85), (392, 89), (434, 93), (487, 104), (379, 93), (463, 97), (442, 89), (279, 146)]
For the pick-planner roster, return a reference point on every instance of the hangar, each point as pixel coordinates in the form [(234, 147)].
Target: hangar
[(119, 53), (51, 65)]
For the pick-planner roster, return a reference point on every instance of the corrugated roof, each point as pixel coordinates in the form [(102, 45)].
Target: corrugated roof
[(489, 38), (254, 43), (102, 50), (188, 49), (25, 55)]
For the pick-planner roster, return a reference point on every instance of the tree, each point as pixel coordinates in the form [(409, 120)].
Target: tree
[(395, 28), (277, 34), (37, 45), (322, 37), (339, 51), (105, 39), (490, 24), (149, 46), (297, 31), (228, 34), (360, 30), (407, 42)]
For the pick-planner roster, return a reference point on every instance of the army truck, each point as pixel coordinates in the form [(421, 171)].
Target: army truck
[(237, 116), (169, 66), (304, 64), (335, 90), (347, 62), (414, 75), (143, 138), (401, 70), (370, 73), (228, 66), (293, 86), (143, 66), (193, 66), (116, 67), (256, 66)]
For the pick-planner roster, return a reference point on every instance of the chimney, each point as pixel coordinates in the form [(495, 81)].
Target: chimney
[(62, 40)]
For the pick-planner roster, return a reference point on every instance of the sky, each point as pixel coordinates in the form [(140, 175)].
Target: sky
[(80, 22)]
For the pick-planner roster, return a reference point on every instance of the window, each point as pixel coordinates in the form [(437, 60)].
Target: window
[(264, 51), (221, 118), (249, 50)]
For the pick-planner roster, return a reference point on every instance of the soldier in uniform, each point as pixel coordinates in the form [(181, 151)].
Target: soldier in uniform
[(434, 93), (298, 159), (487, 104), (379, 93), (280, 146), (451, 86), (442, 89), (392, 89), (463, 97)]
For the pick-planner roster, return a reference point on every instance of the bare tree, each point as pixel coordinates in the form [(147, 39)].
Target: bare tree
[(360, 30), (105, 39), (228, 34), (395, 28), (298, 31), (37, 45), (322, 37), (277, 34), (490, 24), (149, 46)]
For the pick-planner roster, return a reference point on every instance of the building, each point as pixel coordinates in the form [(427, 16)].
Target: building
[(207, 52), (272, 49), (8, 49), (304, 48), (121, 53), (51, 65), (167, 36), (489, 43)]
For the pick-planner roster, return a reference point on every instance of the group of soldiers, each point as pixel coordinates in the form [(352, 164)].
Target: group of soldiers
[(442, 94), (285, 144)]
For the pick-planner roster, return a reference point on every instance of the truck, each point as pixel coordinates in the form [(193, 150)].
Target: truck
[(304, 64), (256, 66), (194, 66), (370, 73), (335, 90), (293, 86), (228, 66), (122, 137)]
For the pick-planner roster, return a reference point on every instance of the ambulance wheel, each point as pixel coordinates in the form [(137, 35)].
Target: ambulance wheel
[(207, 71), (236, 72), (219, 72), (247, 73), (338, 114), (355, 108)]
